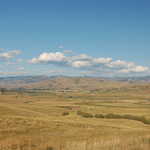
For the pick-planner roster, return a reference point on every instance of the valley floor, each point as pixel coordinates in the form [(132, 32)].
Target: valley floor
[(67, 120)]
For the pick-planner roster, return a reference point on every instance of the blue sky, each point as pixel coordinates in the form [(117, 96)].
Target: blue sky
[(97, 29)]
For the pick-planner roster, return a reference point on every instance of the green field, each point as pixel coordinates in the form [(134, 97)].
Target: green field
[(51, 120)]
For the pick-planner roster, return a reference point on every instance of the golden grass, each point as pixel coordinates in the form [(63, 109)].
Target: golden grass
[(35, 121)]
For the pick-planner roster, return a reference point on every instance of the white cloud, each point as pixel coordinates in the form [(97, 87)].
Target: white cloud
[(84, 61), (102, 60), (79, 64), (49, 58), (9, 54), (140, 69), (120, 64), (135, 69)]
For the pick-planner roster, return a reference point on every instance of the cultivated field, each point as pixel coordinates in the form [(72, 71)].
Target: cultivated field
[(111, 119)]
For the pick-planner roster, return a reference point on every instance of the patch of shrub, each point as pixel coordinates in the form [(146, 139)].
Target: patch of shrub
[(99, 116), (79, 112), (129, 117), (138, 118), (84, 114), (65, 113), (113, 116), (49, 148)]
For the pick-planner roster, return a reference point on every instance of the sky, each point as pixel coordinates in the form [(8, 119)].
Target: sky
[(75, 37)]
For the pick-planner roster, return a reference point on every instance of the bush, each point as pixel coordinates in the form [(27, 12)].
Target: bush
[(113, 116), (144, 120), (49, 148), (86, 115), (138, 118), (79, 113), (65, 113), (99, 116)]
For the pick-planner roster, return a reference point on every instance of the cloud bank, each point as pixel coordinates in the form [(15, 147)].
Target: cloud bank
[(89, 63)]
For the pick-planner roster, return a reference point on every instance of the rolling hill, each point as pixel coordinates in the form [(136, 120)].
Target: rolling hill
[(71, 83)]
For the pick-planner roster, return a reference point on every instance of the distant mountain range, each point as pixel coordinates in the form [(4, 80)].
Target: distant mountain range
[(140, 78), (69, 83), (26, 79)]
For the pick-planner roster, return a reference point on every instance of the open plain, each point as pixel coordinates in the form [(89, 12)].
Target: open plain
[(108, 119)]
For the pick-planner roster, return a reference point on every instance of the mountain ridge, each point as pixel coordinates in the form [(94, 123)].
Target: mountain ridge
[(69, 83)]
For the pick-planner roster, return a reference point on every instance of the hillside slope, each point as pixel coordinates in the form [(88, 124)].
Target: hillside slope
[(68, 83)]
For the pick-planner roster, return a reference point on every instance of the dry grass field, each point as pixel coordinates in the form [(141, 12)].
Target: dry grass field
[(52, 120)]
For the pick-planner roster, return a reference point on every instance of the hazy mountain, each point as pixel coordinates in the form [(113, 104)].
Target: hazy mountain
[(69, 83)]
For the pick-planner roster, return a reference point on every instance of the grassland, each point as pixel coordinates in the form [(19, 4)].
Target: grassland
[(50, 120)]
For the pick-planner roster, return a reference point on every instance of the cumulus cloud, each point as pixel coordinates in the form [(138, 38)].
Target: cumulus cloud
[(79, 64), (135, 69), (120, 64), (9, 54), (84, 61), (102, 60), (49, 58), (127, 67)]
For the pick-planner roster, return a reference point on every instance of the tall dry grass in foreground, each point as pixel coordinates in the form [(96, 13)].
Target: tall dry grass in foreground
[(28, 143)]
